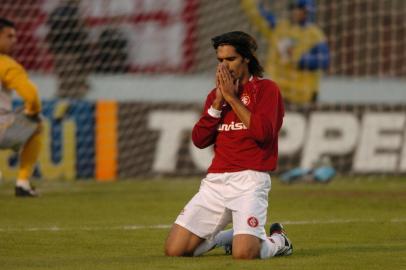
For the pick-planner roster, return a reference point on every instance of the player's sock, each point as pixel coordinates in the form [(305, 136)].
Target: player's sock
[(23, 183), (221, 239), (204, 247), (271, 245), (29, 156), (224, 238)]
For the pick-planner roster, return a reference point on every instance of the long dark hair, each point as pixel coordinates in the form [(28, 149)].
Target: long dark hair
[(245, 45)]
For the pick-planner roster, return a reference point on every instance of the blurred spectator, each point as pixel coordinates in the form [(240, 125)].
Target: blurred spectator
[(298, 49), (297, 56), (69, 43), (112, 51)]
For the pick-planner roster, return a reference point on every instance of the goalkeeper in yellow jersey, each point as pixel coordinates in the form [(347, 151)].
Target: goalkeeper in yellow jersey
[(19, 130), (298, 51)]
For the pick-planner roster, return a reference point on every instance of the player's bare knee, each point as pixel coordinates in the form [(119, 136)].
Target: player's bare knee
[(172, 251), (246, 247), (245, 252)]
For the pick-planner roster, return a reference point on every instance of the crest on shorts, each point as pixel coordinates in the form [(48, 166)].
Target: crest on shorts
[(252, 222), (245, 99)]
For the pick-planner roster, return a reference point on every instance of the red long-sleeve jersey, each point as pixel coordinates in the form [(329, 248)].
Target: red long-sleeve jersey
[(237, 147)]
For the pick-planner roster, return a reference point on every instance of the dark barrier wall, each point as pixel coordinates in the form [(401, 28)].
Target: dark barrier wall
[(124, 140), (155, 139)]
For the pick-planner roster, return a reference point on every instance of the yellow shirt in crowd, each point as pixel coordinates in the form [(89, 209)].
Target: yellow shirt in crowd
[(297, 85)]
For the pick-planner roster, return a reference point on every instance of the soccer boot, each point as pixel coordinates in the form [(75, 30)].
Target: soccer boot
[(287, 249), (228, 249), (22, 192)]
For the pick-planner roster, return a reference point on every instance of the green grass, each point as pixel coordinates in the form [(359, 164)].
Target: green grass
[(351, 223)]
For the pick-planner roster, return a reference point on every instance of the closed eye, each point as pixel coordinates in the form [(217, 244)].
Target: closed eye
[(228, 59)]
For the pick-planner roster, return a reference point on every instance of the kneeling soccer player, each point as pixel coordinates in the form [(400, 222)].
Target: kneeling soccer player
[(241, 118)]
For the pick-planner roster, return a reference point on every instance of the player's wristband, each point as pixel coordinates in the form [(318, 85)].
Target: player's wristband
[(213, 112)]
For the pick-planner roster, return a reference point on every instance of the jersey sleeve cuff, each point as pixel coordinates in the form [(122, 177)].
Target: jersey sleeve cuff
[(213, 112)]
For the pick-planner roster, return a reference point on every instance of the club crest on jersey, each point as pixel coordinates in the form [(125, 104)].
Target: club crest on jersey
[(245, 99), (252, 222)]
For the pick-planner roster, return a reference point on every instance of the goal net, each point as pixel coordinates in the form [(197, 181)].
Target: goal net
[(122, 83)]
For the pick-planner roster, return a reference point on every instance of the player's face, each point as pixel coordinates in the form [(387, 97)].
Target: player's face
[(298, 15), (235, 63), (8, 38)]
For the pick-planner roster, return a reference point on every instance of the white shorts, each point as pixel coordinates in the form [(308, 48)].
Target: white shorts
[(239, 197)]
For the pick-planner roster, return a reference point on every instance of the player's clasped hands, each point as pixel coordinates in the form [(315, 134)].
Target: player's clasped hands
[(219, 96), (225, 82)]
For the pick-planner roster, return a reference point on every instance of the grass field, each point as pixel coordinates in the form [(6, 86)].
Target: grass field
[(357, 223)]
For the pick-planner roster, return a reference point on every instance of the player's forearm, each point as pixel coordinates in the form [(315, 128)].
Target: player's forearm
[(218, 104), (240, 110), (261, 128), (204, 132), (28, 92)]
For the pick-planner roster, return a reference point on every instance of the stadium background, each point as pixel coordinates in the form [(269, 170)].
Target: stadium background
[(137, 115)]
